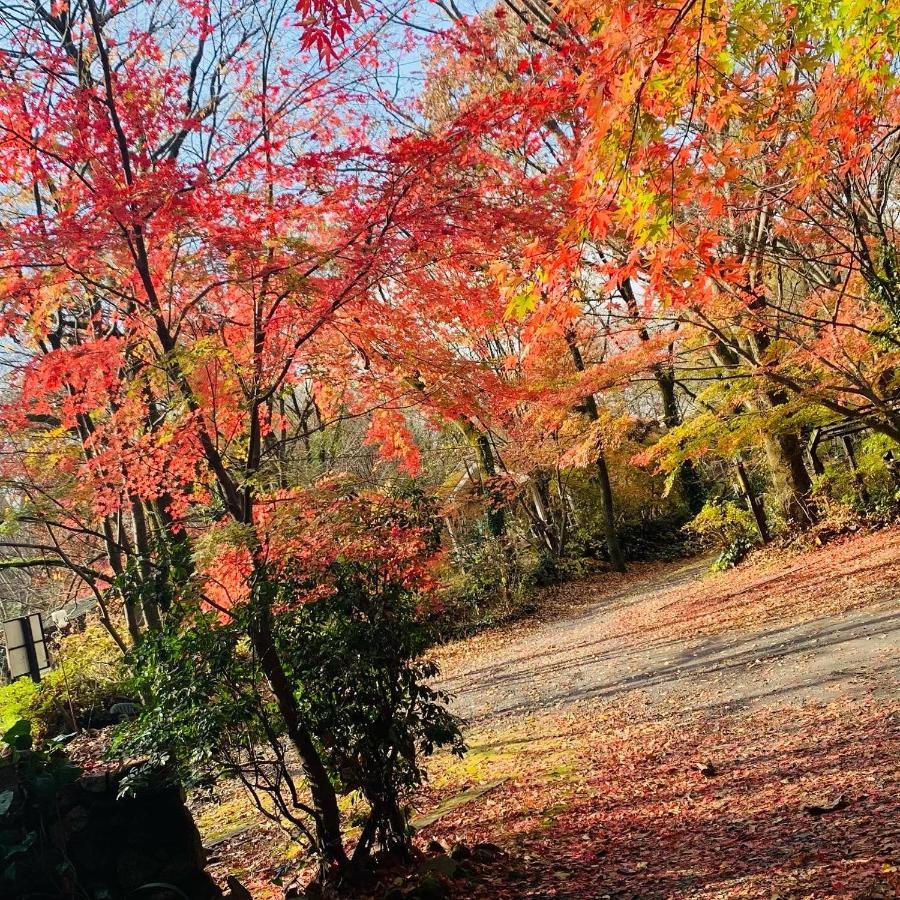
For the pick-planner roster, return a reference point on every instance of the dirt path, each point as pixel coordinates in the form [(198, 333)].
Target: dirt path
[(588, 727), (671, 636)]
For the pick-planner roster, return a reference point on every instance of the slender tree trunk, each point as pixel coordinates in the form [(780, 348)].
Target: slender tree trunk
[(132, 620), (610, 532), (812, 455), (616, 557), (496, 517), (784, 451), (756, 508), (324, 799), (691, 485), (550, 535), (149, 606), (854, 469)]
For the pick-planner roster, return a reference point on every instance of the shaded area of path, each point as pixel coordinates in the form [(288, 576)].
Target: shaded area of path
[(583, 656)]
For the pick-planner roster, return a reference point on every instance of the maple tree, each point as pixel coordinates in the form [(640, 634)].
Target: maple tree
[(191, 254), (716, 192), (594, 238), (737, 175)]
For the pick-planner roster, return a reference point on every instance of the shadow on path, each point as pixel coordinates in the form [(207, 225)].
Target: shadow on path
[(572, 660)]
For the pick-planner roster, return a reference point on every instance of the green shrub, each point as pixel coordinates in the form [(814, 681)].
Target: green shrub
[(654, 539), (87, 677), (16, 700), (838, 493), (728, 526), (489, 581), (204, 699), (353, 659), (880, 485), (363, 688)]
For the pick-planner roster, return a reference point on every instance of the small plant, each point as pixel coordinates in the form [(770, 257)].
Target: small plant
[(728, 526), (29, 853), (87, 678)]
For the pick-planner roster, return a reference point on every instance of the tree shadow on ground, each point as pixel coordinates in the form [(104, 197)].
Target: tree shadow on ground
[(549, 678), (637, 820)]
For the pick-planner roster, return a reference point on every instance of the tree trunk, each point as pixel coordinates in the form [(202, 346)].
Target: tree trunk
[(691, 487), (324, 800), (496, 517), (132, 620), (756, 508), (790, 480), (607, 510), (542, 518), (142, 548), (854, 469), (784, 451), (609, 522)]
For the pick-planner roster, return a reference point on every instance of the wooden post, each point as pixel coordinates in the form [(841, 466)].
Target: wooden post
[(34, 670), (814, 461), (759, 514), (851, 462)]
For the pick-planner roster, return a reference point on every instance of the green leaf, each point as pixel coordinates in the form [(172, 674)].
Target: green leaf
[(19, 736), (522, 304)]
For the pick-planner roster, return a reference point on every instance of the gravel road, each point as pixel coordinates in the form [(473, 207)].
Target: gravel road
[(581, 656)]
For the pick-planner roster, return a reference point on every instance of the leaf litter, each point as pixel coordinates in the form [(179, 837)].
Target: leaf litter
[(649, 796)]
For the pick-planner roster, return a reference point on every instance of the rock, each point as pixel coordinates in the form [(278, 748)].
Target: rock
[(122, 712), (466, 870), (237, 890), (96, 784), (486, 852), (429, 888), (313, 890), (820, 810), (99, 844), (135, 868), (460, 851), (440, 865), (77, 818)]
